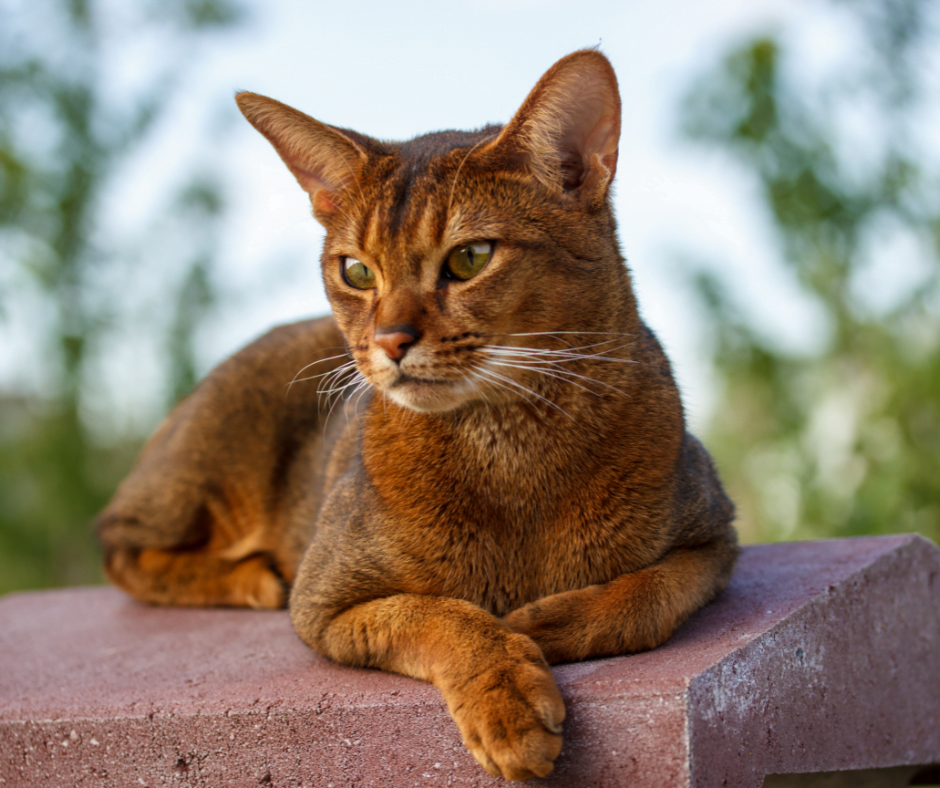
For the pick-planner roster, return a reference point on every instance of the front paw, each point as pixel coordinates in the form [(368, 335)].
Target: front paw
[(510, 713), (558, 624), (593, 622)]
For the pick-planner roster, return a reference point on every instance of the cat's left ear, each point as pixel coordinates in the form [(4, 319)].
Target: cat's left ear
[(567, 130), (323, 159)]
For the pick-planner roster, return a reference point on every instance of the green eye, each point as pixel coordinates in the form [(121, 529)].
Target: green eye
[(465, 262), (356, 274)]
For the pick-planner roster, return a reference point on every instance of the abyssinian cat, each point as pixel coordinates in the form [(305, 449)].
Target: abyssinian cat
[(505, 482)]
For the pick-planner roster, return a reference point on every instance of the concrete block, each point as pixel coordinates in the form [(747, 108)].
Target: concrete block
[(821, 657)]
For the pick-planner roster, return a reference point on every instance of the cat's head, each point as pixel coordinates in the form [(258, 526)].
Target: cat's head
[(446, 255)]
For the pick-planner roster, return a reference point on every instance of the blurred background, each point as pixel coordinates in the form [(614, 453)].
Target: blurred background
[(778, 195)]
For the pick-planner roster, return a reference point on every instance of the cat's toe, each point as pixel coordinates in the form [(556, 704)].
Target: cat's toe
[(257, 584), (511, 716), (522, 757)]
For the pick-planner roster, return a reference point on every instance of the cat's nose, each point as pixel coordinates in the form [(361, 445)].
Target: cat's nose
[(395, 340)]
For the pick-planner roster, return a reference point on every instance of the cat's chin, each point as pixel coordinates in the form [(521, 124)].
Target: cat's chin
[(431, 396)]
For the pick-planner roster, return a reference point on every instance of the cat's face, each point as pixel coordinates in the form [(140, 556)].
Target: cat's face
[(456, 261), (438, 268)]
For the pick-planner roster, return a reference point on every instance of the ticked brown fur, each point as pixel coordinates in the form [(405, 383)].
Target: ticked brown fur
[(505, 481)]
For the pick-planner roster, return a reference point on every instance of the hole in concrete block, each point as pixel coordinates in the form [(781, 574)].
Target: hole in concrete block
[(928, 777), (895, 777)]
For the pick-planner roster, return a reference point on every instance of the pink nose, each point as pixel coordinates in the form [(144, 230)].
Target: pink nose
[(396, 340)]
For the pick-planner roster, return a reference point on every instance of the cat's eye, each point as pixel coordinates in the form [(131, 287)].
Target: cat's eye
[(356, 274), (465, 262)]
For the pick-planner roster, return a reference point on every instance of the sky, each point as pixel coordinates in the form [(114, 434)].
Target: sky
[(394, 70)]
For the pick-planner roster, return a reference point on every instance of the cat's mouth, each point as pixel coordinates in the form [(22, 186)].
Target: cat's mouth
[(413, 383), (429, 395)]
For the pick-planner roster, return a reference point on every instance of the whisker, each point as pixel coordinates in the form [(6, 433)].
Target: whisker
[(331, 383), (556, 333), (524, 360), (334, 375), (314, 377), (613, 336), (357, 379), (337, 388), (563, 355), (564, 376), (552, 375), (570, 348), (511, 382), (479, 379), (312, 363), (362, 390), (358, 385), (405, 417)]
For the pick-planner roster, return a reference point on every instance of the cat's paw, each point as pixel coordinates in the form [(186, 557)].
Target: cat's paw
[(558, 624), (510, 713), (197, 579), (256, 583), (592, 622)]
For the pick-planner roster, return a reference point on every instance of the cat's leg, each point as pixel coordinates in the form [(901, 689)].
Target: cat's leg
[(219, 507), (192, 555), (635, 612), (197, 578), (498, 687)]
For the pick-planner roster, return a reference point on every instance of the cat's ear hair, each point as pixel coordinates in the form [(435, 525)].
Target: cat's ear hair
[(322, 158), (568, 128)]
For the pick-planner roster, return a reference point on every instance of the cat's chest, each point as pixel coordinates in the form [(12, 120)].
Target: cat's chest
[(497, 512), (502, 557)]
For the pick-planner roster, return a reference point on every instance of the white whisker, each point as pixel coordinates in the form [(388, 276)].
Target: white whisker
[(361, 390), (344, 368), (563, 375), (506, 380), (333, 384), (558, 356), (336, 375), (357, 380), (312, 363), (553, 333)]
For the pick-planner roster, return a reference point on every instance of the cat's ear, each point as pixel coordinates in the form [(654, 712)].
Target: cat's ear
[(322, 158), (568, 129)]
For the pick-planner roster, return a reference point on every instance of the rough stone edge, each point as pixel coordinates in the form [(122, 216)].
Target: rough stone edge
[(709, 746), (609, 743)]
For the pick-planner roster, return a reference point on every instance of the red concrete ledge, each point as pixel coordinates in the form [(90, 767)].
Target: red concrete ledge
[(820, 657)]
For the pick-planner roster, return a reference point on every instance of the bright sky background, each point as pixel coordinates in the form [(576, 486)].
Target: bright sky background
[(394, 70)]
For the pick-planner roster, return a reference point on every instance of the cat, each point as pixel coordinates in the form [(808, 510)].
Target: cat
[(491, 473)]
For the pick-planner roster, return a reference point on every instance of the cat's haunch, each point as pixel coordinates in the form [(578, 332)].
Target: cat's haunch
[(478, 466)]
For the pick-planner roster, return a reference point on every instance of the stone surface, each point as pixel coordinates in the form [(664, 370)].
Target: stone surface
[(820, 657)]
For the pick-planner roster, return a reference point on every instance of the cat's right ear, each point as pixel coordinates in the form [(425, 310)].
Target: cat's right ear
[(321, 158), (567, 131)]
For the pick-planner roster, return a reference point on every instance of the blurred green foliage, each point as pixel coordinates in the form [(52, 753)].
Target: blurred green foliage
[(842, 439), (69, 121)]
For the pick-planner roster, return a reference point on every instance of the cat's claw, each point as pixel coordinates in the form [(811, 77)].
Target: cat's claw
[(511, 715)]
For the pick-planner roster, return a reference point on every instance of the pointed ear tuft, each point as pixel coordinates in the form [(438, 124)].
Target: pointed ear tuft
[(321, 158), (568, 128)]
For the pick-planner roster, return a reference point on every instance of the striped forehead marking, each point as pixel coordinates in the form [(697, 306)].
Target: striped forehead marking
[(405, 222)]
